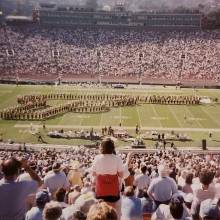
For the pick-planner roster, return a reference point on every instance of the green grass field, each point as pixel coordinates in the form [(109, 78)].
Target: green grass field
[(200, 119)]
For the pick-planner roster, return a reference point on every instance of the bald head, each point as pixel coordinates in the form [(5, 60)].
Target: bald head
[(10, 167)]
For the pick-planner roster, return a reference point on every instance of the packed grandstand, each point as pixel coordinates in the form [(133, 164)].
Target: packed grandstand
[(39, 53), (104, 183)]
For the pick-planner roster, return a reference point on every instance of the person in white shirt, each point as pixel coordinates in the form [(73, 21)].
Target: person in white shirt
[(56, 179), (175, 210), (142, 182), (204, 190), (107, 169)]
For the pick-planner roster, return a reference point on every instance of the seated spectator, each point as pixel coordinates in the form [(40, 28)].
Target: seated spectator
[(56, 179), (82, 205), (147, 204), (60, 196), (13, 194), (188, 199), (175, 210), (36, 213), (102, 211), (74, 175), (187, 187), (130, 205), (74, 194), (204, 190), (129, 181), (163, 187), (209, 210), (142, 181), (52, 211)]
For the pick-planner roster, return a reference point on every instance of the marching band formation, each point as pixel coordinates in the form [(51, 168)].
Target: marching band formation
[(36, 107)]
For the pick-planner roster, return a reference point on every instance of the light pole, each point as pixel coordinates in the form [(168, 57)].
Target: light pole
[(56, 54), (98, 54), (182, 59), (140, 57)]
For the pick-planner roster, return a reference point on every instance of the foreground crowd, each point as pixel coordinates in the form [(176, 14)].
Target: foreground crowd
[(84, 184), (46, 53)]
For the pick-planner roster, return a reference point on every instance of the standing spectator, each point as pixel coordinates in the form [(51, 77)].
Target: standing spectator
[(13, 194), (107, 168), (56, 179), (36, 213), (142, 181), (163, 187), (130, 205)]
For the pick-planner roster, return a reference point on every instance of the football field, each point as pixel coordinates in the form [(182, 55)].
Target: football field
[(196, 121)]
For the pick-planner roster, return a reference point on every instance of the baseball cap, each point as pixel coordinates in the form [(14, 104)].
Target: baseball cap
[(209, 209)]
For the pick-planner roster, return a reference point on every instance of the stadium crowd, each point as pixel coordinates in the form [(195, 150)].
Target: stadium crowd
[(48, 53), (85, 184)]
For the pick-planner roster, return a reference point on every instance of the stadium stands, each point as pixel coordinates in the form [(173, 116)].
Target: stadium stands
[(176, 56), (68, 179)]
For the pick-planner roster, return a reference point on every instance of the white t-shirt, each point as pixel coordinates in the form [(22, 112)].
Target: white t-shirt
[(163, 213), (107, 164), (142, 181), (53, 181)]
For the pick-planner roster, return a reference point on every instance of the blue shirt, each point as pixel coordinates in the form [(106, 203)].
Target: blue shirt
[(131, 208), (13, 197)]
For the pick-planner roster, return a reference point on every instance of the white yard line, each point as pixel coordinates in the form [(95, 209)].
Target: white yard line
[(127, 127), (139, 118), (186, 109), (209, 115), (120, 115), (175, 116), (156, 114)]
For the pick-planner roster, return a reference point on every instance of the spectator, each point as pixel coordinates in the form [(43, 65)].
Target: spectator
[(74, 194), (74, 175), (108, 166), (163, 187), (102, 211), (175, 210), (55, 179), (147, 204), (60, 196), (204, 190), (209, 210), (130, 205), (13, 194), (187, 188), (36, 213), (52, 211), (142, 182)]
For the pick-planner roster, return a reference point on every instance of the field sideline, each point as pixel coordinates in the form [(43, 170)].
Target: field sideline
[(200, 119)]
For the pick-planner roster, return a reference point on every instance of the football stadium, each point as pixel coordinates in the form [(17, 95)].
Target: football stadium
[(110, 110)]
